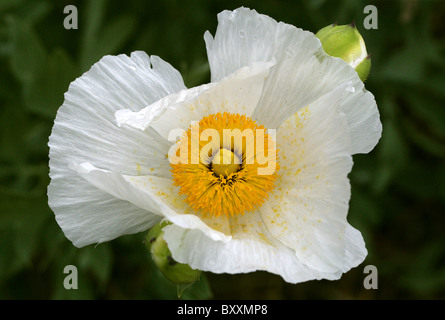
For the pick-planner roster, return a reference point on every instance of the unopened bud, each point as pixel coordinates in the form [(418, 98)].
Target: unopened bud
[(345, 42), (177, 273)]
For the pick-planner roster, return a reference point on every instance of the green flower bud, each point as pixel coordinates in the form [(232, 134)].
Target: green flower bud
[(346, 42), (178, 273)]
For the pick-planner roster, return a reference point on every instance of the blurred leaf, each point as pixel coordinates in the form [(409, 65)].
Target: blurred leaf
[(406, 65), (428, 111), (7, 254), (200, 290), (98, 259), (53, 243), (85, 290), (21, 215), (420, 183), (393, 155), (424, 122), (421, 270), (32, 11), (114, 36), (8, 4), (102, 39), (28, 55), (196, 74), (424, 140), (92, 21), (365, 209), (11, 133), (44, 95), (435, 85)]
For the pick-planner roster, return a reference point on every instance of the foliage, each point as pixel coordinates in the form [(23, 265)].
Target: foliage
[(398, 190)]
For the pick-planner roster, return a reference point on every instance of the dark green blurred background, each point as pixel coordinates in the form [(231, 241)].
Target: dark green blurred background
[(398, 190)]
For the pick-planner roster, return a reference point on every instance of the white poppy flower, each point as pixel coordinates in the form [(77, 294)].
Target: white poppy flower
[(111, 170)]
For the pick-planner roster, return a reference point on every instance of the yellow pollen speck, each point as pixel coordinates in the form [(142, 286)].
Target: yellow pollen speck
[(221, 174)]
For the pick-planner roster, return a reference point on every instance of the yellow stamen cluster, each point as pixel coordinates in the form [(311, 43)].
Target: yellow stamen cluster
[(225, 177)]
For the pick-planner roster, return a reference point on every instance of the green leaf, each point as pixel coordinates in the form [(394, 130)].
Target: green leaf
[(32, 11), (364, 209), (98, 259), (424, 140), (85, 288), (392, 156), (28, 55), (101, 39), (197, 73), (22, 216), (7, 254), (427, 110), (89, 24), (8, 4), (11, 134), (114, 36), (425, 274), (45, 93), (200, 290)]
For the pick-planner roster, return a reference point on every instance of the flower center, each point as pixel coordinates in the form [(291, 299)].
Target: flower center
[(225, 162), (226, 165)]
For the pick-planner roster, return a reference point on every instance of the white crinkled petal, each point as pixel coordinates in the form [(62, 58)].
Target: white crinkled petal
[(237, 93), (303, 72), (88, 215), (307, 210), (242, 37), (85, 130), (151, 193), (355, 249), (363, 119), (169, 108), (239, 255)]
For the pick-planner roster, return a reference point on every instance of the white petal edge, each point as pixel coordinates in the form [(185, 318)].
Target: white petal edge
[(307, 209), (85, 131), (88, 215), (302, 74), (151, 193), (242, 255), (237, 93)]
